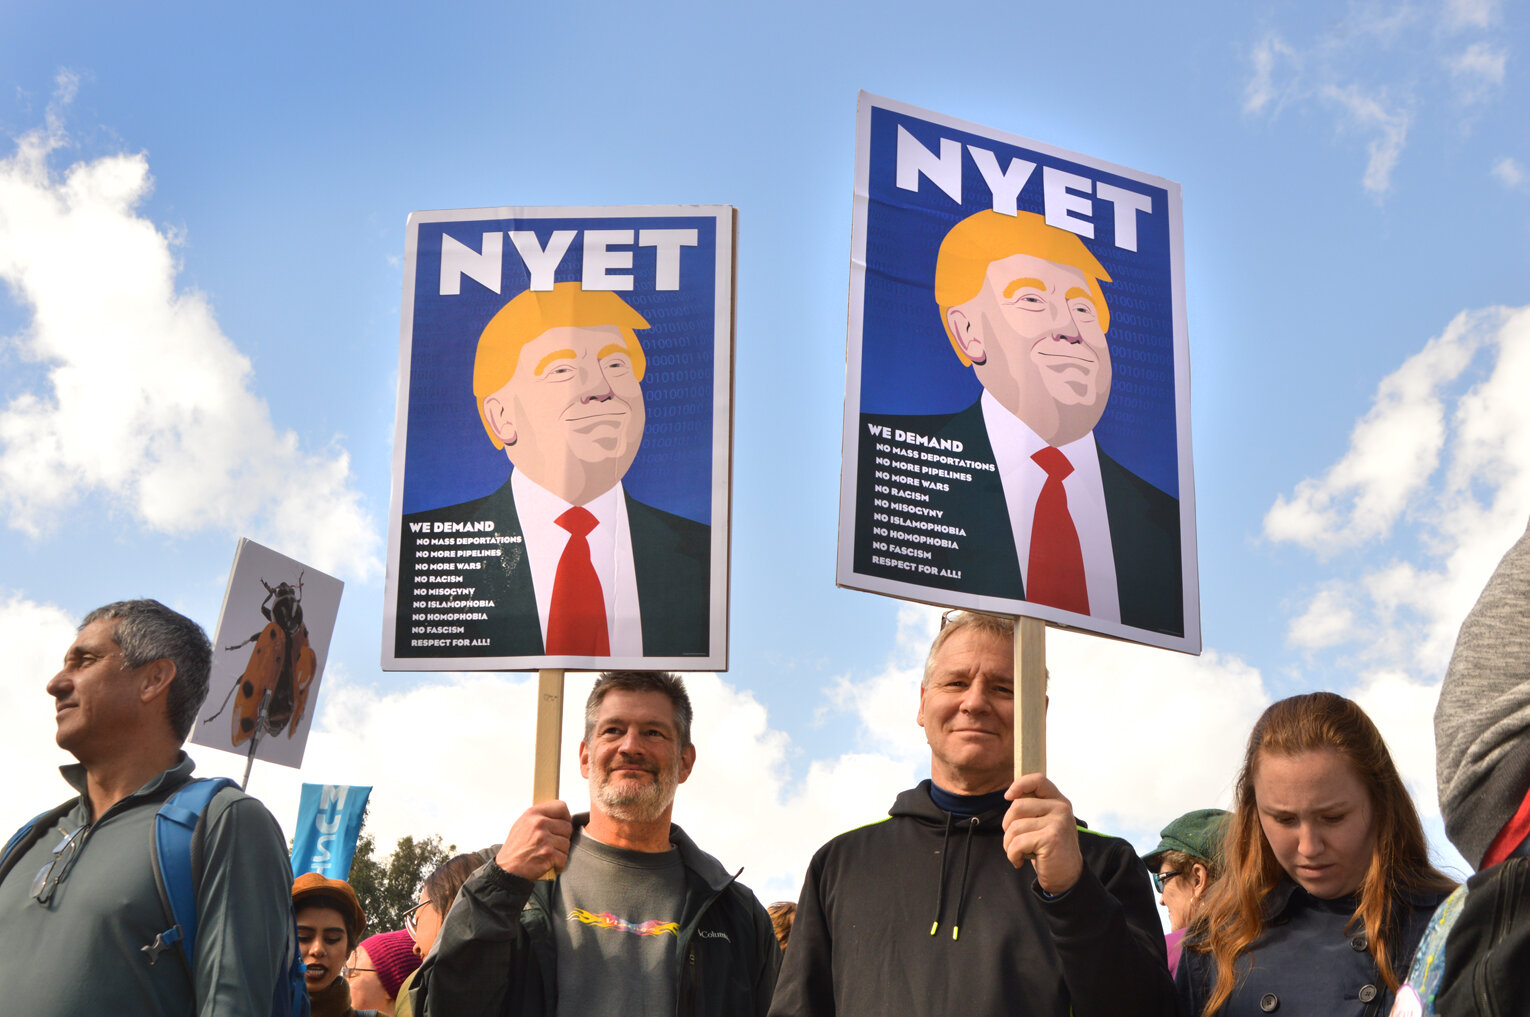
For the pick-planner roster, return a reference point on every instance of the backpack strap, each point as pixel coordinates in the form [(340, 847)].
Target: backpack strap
[(30, 833), (177, 873)]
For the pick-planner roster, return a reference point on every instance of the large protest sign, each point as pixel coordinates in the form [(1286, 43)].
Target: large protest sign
[(1000, 452), (268, 656), (561, 458)]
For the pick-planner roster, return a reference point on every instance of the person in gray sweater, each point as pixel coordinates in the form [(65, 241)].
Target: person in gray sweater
[(1474, 957), (1482, 722)]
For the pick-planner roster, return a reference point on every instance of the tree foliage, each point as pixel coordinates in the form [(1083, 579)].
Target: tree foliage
[(388, 887)]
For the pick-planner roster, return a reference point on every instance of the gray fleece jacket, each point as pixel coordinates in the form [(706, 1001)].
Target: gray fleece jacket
[(82, 952), (1482, 722)]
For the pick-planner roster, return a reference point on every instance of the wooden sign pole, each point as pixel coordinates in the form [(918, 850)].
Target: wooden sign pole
[(1031, 686), (544, 774)]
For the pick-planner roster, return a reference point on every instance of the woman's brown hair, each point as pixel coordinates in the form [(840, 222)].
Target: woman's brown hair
[(441, 886), (1234, 918)]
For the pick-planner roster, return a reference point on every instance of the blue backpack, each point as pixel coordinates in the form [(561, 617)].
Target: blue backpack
[(176, 851)]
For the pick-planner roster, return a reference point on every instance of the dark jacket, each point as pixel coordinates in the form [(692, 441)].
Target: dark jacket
[(923, 914), (495, 956), (1308, 961)]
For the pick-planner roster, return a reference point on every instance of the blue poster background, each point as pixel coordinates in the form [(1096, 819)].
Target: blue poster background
[(449, 459), (907, 364)]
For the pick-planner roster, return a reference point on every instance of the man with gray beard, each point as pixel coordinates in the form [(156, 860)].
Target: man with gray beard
[(639, 921)]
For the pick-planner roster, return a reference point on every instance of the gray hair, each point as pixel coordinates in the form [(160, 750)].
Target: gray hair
[(664, 682), (953, 622), (148, 631)]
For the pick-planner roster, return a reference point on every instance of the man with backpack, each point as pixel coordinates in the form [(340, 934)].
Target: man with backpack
[(149, 893)]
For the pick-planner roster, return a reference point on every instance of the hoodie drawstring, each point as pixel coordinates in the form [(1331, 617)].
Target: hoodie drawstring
[(961, 896), (940, 894)]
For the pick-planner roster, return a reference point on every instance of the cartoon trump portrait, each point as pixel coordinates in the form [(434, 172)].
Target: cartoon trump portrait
[(573, 564), (1050, 517)]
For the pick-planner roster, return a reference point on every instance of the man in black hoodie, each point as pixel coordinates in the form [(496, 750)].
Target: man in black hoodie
[(980, 894)]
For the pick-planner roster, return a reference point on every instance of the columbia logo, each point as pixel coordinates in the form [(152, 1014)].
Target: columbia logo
[(704, 934)]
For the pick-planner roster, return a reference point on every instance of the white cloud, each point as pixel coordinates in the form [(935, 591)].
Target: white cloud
[(1509, 172), (1480, 60), (1263, 90), (1462, 14), (1392, 451), (1368, 114), (145, 401), (1377, 69), (884, 704), (1462, 473), (1137, 736), (1370, 24), (1403, 710), (35, 637), (1478, 70), (1327, 620)]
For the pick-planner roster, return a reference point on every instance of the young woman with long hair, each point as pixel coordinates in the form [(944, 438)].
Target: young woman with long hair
[(1327, 884)]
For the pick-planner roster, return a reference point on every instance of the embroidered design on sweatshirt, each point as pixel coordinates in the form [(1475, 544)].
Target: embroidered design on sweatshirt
[(606, 920)]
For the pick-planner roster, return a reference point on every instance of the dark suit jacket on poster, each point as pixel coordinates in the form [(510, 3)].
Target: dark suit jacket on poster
[(481, 542), (926, 501)]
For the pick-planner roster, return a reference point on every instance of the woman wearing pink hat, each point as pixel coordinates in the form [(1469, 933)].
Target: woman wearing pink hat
[(378, 967)]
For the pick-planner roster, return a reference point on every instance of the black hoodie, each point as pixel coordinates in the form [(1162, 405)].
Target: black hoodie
[(922, 915)]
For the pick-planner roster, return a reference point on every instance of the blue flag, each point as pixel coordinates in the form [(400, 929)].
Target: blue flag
[(328, 823)]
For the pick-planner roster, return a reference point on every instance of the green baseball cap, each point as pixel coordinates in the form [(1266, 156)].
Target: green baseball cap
[(1198, 834)]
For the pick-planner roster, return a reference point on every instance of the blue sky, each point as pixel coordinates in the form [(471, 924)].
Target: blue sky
[(201, 230)]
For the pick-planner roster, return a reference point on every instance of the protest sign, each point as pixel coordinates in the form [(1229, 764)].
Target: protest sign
[(1000, 453), (561, 454), (268, 655), (328, 826)]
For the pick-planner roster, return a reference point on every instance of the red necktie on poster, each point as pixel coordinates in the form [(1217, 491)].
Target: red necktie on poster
[(576, 618), (1056, 562)]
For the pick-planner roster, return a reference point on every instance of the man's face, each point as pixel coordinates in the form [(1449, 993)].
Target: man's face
[(95, 694), (632, 756), (572, 415), (967, 710), (1033, 334)]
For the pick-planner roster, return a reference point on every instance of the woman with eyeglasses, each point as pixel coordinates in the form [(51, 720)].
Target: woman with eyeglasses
[(378, 968), (329, 925), (1328, 884), (424, 921), (1184, 864)]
